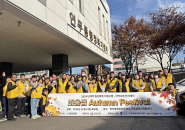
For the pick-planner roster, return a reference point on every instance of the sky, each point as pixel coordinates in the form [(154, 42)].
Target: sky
[(120, 10)]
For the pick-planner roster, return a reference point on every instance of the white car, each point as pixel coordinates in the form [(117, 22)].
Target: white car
[(180, 86)]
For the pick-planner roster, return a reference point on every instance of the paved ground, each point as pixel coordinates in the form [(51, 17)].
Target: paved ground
[(98, 123)]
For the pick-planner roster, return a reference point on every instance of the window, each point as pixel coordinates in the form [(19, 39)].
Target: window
[(100, 25), (104, 27), (43, 2), (81, 6), (107, 31)]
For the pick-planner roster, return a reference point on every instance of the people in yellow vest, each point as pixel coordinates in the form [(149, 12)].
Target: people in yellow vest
[(124, 84), (52, 89), (93, 87), (103, 85), (82, 86), (23, 87), (113, 83), (71, 86), (68, 77), (46, 83), (119, 80), (140, 73), (157, 84), (89, 78), (147, 83), (12, 94), (83, 73), (174, 93), (62, 83), (98, 79), (35, 96), (42, 102), (168, 78), (138, 84), (4, 96)]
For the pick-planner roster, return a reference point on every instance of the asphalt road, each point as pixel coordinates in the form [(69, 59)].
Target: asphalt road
[(97, 123)]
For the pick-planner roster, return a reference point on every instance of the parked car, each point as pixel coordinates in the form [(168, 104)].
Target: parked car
[(180, 86)]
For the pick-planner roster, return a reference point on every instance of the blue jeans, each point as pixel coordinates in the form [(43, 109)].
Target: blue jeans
[(34, 104), (5, 104)]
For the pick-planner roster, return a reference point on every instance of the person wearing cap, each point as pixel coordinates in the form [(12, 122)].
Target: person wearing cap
[(93, 86), (147, 83), (62, 84), (113, 83), (157, 84), (82, 86), (103, 85), (168, 78), (124, 84), (119, 80), (138, 84), (23, 87)]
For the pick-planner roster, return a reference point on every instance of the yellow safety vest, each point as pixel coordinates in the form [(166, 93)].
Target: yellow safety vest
[(104, 85), (138, 85), (71, 89), (36, 93), (168, 80), (5, 90), (21, 87), (45, 86), (126, 84), (53, 91), (112, 84), (81, 89), (147, 86), (159, 84), (93, 90), (62, 86), (174, 92), (12, 93)]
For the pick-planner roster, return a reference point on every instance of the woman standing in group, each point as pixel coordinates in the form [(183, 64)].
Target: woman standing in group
[(147, 83), (82, 86), (103, 86), (92, 86), (71, 87)]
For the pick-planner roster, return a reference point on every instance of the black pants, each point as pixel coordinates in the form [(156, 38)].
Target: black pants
[(20, 106), (11, 108), (29, 105)]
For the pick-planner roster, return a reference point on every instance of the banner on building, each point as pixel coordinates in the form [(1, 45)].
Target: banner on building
[(111, 104)]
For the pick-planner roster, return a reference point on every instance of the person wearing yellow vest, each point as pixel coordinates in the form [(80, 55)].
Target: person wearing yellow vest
[(174, 93), (103, 85), (119, 80), (23, 87), (35, 96), (4, 96), (113, 83), (62, 84), (93, 87), (138, 84), (42, 102), (12, 94), (157, 84), (46, 83), (53, 86), (168, 78), (82, 86), (147, 83), (68, 77), (71, 86), (124, 84), (83, 73)]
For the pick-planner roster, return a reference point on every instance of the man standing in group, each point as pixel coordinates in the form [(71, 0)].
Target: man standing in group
[(113, 82), (62, 83), (124, 84), (23, 87), (12, 95), (157, 84), (168, 78)]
